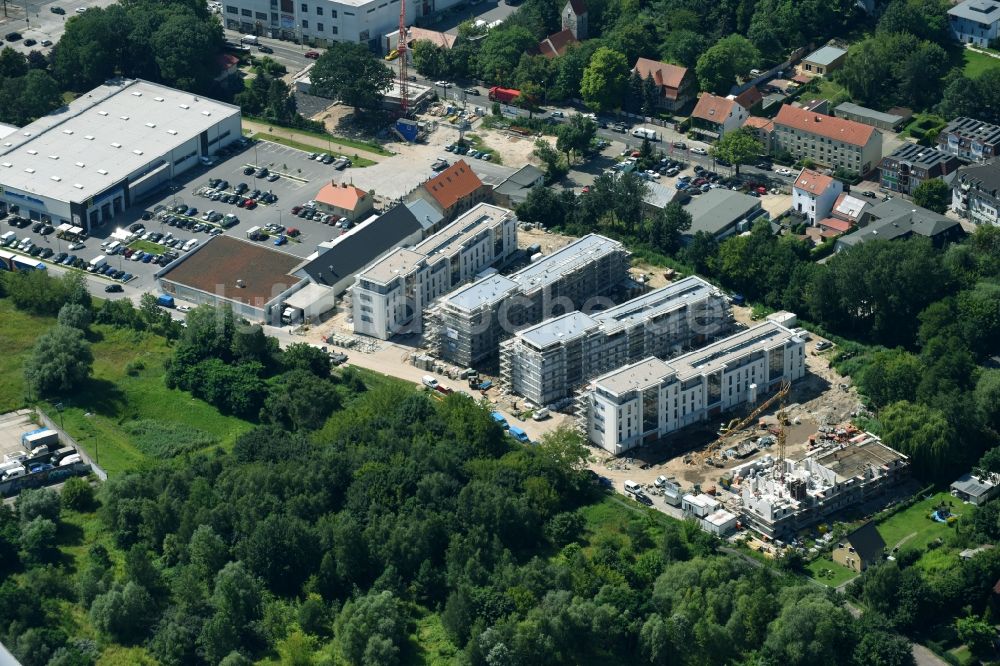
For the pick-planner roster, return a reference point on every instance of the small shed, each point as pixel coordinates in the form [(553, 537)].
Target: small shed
[(975, 489), (822, 61)]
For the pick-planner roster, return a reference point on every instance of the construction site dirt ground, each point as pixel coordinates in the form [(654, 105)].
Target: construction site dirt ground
[(822, 397)]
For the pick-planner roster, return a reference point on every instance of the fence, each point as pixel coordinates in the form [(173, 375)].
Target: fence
[(64, 437)]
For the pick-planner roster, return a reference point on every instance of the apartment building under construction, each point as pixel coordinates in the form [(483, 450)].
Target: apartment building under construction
[(545, 362), (466, 326)]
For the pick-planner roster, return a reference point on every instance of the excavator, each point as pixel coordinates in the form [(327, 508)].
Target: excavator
[(707, 455)]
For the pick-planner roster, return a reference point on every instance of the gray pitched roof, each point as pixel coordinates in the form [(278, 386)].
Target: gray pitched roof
[(365, 244), (866, 541), (984, 176), (895, 218)]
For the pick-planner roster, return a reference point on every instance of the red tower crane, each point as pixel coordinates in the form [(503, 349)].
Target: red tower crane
[(404, 100)]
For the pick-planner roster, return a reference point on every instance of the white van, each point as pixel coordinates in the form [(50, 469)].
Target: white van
[(190, 245), (14, 473), (97, 262), (632, 487), (70, 459), (643, 133), (541, 414), (113, 248), (429, 382), (7, 238), (250, 39)]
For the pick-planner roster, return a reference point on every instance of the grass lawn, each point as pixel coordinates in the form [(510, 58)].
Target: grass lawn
[(829, 573), (370, 146), (825, 89), (147, 246), (18, 331), (98, 415), (914, 521), (355, 161), (977, 63), (476, 142)]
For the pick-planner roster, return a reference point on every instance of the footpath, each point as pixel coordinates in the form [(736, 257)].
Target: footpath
[(257, 127)]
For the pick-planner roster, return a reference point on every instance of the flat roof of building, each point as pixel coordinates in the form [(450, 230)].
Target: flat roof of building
[(635, 377), (718, 209), (980, 11), (483, 292), (717, 355), (853, 460), (398, 262), (658, 301), (558, 329), (224, 261), (565, 260), (825, 55), (103, 136), (865, 112), (465, 227)]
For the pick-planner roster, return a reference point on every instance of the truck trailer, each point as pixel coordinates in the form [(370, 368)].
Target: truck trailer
[(506, 95), (40, 437)]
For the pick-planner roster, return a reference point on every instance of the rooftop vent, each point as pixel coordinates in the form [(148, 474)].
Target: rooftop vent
[(8, 144), (78, 186), (150, 124), (116, 144), (103, 113), (103, 172), (67, 131), (184, 106), (206, 113), (123, 117), (6, 164), (137, 93), (26, 133), (89, 137), (137, 151), (171, 131), (32, 151), (29, 170), (81, 164), (53, 157), (55, 178), (158, 99), (240, 284)]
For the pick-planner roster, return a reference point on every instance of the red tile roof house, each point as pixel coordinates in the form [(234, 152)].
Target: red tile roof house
[(346, 201), (762, 128), (826, 140), (555, 45), (845, 215), (814, 194), (676, 84), (713, 116), (453, 191)]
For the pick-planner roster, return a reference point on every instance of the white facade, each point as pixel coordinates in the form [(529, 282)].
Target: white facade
[(325, 21), (389, 296), (645, 401), (111, 147), (815, 203)]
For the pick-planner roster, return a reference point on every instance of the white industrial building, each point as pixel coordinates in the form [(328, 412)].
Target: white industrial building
[(709, 514), (645, 401), (325, 21), (778, 498), (545, 362), (388, 297), (87, 162)]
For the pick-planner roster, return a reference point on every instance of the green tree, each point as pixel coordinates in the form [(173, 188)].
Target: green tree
[(604, 80), (74, 315), (60, 361), (429, 59), (891, 376), (737, 147), (575, 136), (180, 45), (38, 540), (812, 630), (924, 434), (501, 51), (933, 194), (77, 494), (987, 400), (880, 648), (701, 251), (123, 613), (977, 634), (37, 503), (667, 227), (554, 166), (298, 400), (346, 71), (208, 553), (730, 57), (371, 625)]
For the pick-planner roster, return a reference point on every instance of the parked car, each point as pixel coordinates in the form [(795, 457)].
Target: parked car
[(57, 10), (114, 288), (312, 55), (265, 49), (30, 42), (699, 151)]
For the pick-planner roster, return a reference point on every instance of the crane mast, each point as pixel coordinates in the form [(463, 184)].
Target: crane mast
[(401, 49)]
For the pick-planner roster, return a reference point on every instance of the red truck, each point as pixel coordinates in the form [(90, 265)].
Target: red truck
[(506, 95)]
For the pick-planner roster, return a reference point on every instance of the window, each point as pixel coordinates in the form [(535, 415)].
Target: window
[(232, 10), (261, 15), (274, 17), (305, 23), (305, 8), (333, 13), (333, 29), (319, 27), (246, 12), (319, 11)]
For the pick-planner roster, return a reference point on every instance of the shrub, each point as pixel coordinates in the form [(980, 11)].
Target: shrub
[(166, 440), (78, 494)]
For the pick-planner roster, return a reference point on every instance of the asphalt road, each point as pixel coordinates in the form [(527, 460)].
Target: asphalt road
[(289, 54)]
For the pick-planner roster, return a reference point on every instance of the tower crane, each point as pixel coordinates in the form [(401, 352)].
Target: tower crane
[(736, 425), (401, 48)]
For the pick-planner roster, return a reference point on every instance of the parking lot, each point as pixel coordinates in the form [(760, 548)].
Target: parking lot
[(299, 180), (40, 23)]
